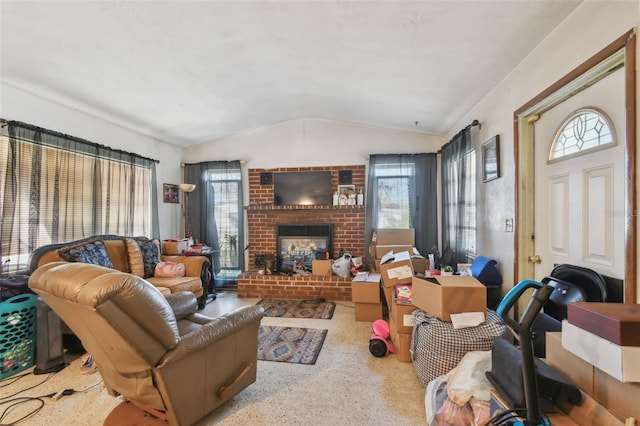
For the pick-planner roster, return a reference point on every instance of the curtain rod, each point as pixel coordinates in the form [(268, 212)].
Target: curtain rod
[(473, 124), (72, 138)]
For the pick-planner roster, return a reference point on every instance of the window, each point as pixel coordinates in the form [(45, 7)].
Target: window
[(393, 190), (227, 209), (402, 193), (57, 188), (218, 215), (583, 131)]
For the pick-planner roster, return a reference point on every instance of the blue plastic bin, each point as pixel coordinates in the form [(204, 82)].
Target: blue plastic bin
[(17, 334)]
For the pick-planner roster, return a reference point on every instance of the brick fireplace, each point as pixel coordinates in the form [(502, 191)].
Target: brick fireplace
[(263, 218)]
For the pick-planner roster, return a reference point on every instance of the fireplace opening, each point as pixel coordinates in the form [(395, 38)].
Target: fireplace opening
[(300, 244)]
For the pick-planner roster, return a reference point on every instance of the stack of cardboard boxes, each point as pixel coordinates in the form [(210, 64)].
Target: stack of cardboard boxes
[(395, 240), (400, 265), (365, 293), (617, 397), (599, 350), (440, 296), (397, 263), (393, 254), (399, 272)]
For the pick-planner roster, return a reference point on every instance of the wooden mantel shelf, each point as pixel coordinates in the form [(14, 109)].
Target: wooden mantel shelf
[(271, 207)]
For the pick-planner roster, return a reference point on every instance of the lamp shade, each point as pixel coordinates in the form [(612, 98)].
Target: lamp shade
[(187, 187)]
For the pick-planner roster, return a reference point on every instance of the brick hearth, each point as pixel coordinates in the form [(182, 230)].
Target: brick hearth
[(251, 284), (262, 218)]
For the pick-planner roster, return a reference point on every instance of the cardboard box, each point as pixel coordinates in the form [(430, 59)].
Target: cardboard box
[(388, 296), (618, 397), (419, 264), (175, 246), (621, 362), (385, 236), (378, 251), (588, 413), (449, 295), (375, 266), (397, 271), (401, 317), (366, 291), (402, 344), (321, 267), (574, 368), (368, 311)]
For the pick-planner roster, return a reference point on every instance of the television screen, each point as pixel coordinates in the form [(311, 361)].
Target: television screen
[(302, 188)]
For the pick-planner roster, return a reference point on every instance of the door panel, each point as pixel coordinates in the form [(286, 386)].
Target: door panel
[(579, 201)]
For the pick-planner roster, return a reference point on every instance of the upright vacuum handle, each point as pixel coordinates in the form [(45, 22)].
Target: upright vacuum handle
[(513, 295), (511, 298)]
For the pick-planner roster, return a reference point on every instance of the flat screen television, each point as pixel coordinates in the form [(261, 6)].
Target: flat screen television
[(302, 188)]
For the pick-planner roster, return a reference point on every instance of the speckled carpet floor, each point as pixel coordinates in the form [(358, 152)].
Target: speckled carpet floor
[(346, 386)]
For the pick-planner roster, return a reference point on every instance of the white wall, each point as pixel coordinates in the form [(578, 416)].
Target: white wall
[(310, 142), (16, 104), (591, 27)]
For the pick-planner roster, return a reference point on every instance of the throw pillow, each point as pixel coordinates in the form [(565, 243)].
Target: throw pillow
[(93, 252), (150, 255), (136, 264)]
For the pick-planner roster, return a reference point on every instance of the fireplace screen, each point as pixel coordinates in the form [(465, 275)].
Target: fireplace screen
[(298, 253)]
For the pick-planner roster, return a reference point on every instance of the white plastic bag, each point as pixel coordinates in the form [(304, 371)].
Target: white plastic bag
[(342, 267), (468, 379)]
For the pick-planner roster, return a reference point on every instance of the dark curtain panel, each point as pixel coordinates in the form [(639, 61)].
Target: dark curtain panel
[(200, 227), (457, 205), (217, 182), (424, 216), (408, 183)]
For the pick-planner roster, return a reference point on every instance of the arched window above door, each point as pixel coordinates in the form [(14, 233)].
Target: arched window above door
[(585, 130)]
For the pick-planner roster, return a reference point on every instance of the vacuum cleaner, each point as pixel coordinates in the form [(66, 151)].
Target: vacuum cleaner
[(523, 330)]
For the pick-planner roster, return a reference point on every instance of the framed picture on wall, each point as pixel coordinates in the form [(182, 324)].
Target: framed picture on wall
[(491, 159), (346, 194), (170, 193)]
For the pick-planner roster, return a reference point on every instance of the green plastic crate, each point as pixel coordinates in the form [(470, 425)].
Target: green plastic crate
[(17, 334)]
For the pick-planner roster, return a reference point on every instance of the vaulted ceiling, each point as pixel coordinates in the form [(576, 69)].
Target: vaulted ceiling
[(187, 72)]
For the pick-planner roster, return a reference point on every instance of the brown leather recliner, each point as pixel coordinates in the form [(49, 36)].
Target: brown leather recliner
[(157, 352)]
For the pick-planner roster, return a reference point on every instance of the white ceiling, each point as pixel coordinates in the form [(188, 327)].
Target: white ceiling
[(187, 72)]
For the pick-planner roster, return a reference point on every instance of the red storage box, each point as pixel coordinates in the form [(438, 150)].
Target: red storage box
[(617, 322)]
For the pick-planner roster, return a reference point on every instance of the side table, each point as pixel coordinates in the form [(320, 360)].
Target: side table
[(209, 253)]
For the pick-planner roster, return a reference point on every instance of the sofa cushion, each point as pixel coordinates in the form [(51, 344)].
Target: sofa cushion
[(150, 255), (192, 284), (92, 252), (136, 263)]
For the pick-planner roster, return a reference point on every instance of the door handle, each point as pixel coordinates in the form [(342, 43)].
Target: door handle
[(535, 259)]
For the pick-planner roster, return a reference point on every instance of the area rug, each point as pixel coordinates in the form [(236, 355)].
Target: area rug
[(290, 344), (298, 308)]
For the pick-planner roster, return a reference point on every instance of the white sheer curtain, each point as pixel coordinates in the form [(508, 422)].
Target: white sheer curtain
[(459, 200), (57, 188)]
